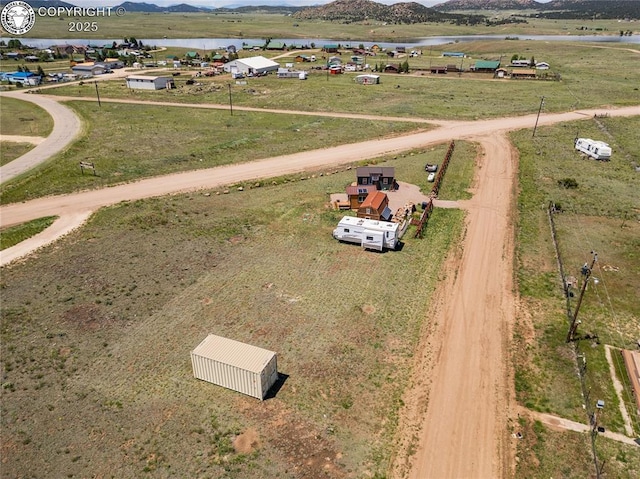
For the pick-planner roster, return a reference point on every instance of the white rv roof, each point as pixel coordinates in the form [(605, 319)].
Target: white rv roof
[(369, 224)]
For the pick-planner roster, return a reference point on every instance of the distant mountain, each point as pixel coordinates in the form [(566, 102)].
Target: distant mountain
[(453, 5), (565, 9), (363, 10), (35, 4), (589, 9), (141, 7), (275, 9), (184, 8)]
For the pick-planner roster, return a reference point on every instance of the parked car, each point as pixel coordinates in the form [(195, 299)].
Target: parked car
[(429, 167), (431, 178)]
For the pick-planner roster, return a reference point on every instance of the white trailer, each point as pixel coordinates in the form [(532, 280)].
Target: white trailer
[(598, 150), (371, 234)]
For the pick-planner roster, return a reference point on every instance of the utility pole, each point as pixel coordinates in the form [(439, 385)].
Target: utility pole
[(586, 272), (230, 102), (538, 117), (98, 94)]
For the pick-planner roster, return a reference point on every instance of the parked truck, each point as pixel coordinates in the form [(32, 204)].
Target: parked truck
[(371, 234)]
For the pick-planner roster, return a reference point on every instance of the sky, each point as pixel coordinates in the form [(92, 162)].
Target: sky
[(235, 3)]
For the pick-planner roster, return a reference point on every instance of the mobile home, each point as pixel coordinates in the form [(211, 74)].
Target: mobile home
[(371, 234), (598, 150)]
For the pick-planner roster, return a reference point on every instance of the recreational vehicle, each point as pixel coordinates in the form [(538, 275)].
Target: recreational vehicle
[(598, 150), (371, 234)]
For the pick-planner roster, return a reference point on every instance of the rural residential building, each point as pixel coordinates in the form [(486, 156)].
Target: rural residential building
[(24, 78), (368, 79), (356, 194), (147, 82), (382, 177), (375, 207), (251, 66), (92, 69), (523, 73), (485, 66), (234, 365)]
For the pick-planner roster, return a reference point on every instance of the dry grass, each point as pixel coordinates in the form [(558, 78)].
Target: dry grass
[(103, 324)]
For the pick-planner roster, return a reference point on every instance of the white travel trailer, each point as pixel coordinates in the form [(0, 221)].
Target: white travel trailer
[(598, 150), (371, 234)]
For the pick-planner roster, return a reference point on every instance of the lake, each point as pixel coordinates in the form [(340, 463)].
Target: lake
[(220, 43)]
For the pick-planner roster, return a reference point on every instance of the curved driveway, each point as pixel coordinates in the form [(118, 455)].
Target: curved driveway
[(66, 127)]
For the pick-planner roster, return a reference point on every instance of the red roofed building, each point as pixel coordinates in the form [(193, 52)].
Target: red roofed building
[(375, 207)]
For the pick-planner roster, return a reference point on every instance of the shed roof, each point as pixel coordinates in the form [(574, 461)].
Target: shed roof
[(487, 64), (258, 62), (388, 171), (234, 353), (353, 190), (145, 77), (375, 199)]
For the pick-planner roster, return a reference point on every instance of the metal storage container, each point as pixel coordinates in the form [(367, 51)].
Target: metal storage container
[(235, 365)]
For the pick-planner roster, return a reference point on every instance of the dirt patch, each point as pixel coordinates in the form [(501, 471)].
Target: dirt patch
[(87, 317), (246, 442), (368, 309)]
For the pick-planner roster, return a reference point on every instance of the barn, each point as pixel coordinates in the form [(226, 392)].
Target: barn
[(234, 365), (251, 66), (148, 82)]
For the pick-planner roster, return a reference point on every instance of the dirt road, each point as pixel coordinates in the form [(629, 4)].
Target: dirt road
[(66, 126), (462, 368)]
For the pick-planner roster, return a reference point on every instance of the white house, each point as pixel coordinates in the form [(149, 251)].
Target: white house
[(251, 66), (147, 82), (542, 66)]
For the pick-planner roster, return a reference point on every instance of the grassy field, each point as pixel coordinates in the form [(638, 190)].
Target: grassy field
[(451, 96), (103, 321), (599, 215), (23, 118), (180, 25), (129, 142), (96, 334), (10, 150), (15, 234)]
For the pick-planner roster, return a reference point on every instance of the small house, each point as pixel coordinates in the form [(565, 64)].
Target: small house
[(89, 69), (24, 78), (276, 46), (392, 68), (375, 207), (440, 70), (382, 177), (368, 79), (523, 73), (542, 66), (485, 66), (147, 82), (330, 48), (502, 73), (356, 194)]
